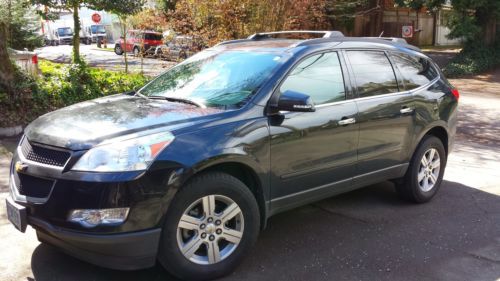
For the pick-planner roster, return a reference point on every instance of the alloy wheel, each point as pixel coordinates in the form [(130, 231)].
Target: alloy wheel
[(210, 229), (428, 172)]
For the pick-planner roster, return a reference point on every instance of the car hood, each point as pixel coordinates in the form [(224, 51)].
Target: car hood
[(86, 124)]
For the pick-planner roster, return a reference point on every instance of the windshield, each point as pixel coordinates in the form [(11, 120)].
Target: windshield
[(225, 80), (65, 31), (97, 29)]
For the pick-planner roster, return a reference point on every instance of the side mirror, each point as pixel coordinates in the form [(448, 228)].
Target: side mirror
[(295, 101)]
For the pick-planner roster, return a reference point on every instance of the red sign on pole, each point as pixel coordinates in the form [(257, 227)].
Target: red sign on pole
[(96, 18), (407, 31)]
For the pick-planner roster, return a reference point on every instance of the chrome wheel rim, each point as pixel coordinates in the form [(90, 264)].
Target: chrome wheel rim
[(210, 229), (428, 172)]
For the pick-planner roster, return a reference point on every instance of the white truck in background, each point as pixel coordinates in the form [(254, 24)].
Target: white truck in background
[(61, 32), (65, 34), (93, 32), (57, 32), (50, 35)]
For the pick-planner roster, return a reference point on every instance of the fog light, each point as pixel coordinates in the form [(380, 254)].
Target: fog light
[(94, 217)]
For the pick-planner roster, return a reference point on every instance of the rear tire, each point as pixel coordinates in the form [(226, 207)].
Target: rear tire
[(425, 173), (232, 230)]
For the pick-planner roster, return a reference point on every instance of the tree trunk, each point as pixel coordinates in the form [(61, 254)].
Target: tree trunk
[(76, 30), (6, 67), (9, 21), (488, 22), (490, 31), (123, 23)]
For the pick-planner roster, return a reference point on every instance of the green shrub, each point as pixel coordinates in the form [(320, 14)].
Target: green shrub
[(473, 59), (68, 84), (61, 85)]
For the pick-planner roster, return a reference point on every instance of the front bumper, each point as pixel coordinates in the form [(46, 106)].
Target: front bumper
[(47, 194), (125, 251)]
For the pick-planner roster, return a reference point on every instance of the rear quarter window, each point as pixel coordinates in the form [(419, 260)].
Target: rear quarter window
[(415, 71)]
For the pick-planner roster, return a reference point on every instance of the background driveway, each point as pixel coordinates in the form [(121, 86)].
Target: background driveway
[(104, 58), (368, 234)]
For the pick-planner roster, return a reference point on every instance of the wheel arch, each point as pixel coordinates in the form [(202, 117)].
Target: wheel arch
[(438, 131), (248, 176)]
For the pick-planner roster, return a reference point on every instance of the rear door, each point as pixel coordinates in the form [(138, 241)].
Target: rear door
[(129, 43), (313, 154), (386, 119)]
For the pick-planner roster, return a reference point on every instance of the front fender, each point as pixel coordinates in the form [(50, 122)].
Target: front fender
[(245, 142)]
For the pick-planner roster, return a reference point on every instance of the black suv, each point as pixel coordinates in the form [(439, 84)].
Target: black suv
[(188, 169)]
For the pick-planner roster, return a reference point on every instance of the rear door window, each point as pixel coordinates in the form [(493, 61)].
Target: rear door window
[(373, 73), (416, 71), (319, 76)]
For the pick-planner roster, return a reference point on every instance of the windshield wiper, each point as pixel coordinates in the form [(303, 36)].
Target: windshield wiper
[(176, 99)]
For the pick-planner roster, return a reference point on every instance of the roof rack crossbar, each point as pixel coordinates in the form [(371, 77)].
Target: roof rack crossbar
[(326, 33)]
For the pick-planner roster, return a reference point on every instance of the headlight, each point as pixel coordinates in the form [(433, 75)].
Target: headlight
[(124, 154), (94, 217)]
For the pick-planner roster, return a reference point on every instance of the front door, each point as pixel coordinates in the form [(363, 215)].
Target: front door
[(313, 154)]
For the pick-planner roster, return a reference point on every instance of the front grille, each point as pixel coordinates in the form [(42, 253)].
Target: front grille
[(32, 186), (44, 155)]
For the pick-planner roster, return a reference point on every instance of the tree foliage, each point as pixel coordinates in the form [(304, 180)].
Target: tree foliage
[(221, 20), (341, 13), (22, 24)]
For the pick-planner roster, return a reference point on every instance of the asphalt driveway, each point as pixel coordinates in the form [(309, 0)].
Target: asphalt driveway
[(105, 58), (368, 234)]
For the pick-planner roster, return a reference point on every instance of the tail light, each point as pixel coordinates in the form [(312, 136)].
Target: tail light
[(455, 93), (34, 59)]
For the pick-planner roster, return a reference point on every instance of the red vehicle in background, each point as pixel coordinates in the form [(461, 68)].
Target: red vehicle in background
[(139, 42)]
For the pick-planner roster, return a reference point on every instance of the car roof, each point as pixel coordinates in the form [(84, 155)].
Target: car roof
[(263, 43), (145, 31)]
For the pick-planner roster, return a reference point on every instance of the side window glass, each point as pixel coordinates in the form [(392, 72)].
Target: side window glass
[(319, 76), (373, 73), (416, 71)]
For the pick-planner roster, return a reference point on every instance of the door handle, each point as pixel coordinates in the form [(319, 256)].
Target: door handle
[(406, 110), (345, 122)]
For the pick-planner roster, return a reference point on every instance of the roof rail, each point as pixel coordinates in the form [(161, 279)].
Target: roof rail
[(326, 33)]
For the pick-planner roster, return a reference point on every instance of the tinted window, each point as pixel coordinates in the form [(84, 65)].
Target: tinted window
[(319, 76), (98, 29), (416, 71), (373, 73), (65, 31), (152, 36)]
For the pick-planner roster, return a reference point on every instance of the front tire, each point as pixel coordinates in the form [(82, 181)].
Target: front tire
[(137, 52), (118, 50), (425, 173), (210, 225)]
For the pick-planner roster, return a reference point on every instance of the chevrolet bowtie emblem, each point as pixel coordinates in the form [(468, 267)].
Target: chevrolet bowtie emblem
[(21, 167)]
